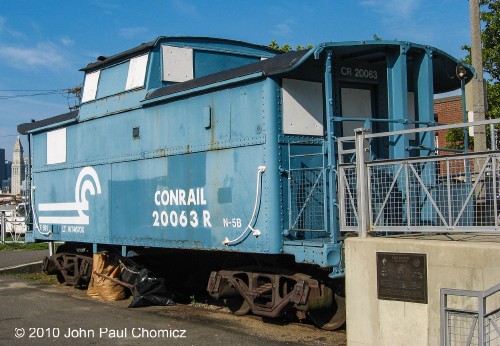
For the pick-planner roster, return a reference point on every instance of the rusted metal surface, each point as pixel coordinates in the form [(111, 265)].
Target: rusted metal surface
[(331, 318), (268, 294), (71, 269)]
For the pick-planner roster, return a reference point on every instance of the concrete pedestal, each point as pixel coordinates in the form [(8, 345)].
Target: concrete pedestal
[(462, 262)]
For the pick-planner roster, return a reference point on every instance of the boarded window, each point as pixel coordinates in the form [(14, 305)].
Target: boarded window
[(356, 103), (177, 64), (136, 72), (90, 86), (302, 108), (56, 146)]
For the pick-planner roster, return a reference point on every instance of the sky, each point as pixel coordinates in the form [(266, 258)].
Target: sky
[(43, 44)]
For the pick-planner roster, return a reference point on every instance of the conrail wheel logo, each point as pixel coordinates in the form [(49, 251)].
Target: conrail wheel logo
[(87, 181)]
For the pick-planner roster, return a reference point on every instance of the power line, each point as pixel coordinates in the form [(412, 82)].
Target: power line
[(37, 92), (44, 93), (25, 90)]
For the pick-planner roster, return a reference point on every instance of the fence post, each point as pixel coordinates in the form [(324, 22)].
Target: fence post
[(443, 325), (481, 302), (2, 225), (362, 155)]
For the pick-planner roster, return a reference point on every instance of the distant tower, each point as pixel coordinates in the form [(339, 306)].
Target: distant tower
[(3, 175), (17, 168)]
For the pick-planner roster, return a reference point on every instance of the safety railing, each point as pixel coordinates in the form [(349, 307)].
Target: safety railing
[(12, 227), (465, 319), (437, 193)]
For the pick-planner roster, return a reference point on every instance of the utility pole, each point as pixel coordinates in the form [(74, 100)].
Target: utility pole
[(477, 83)]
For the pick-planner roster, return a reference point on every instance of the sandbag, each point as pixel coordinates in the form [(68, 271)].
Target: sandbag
[(101, 288)]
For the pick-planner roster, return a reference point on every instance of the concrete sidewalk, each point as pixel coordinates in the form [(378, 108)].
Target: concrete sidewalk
[(21, 257)]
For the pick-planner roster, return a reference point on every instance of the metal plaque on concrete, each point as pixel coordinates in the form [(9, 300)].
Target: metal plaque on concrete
[(402, 276)]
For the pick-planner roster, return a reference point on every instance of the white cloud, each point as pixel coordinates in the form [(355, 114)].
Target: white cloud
[(67, 42), (44, 54), (4, 29), (285, 28), (108, 7), (185, 8), (393, 8), (412, 20), (130, 33)]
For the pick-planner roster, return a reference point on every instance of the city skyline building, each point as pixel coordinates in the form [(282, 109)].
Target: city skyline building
[(6, 180), (3, 173), (17, 175)]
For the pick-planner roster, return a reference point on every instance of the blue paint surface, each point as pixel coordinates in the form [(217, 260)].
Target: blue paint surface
[(211, 169)]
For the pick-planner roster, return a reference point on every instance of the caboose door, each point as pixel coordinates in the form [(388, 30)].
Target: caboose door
[(355, 104)]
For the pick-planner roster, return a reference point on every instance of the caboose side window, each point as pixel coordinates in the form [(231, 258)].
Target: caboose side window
[(90, 86), (177, 64), (56, 146), (113, 80), (136, 72), (302, 108)]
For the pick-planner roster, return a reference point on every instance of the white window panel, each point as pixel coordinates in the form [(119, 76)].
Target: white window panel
[(137, 72), (302, 108), (90, 86), (56, 146), (356, 103), (177, 64)]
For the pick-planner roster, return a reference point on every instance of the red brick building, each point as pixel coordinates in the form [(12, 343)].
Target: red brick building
[(447, 110)]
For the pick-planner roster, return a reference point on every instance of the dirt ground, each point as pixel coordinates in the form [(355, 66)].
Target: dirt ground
[(205, 323)]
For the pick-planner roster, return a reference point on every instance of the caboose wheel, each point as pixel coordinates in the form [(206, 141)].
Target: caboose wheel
[(237, 305), (330, 319), (60, 278)]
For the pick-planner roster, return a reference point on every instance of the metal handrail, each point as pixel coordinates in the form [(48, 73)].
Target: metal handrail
[(447, 214), (480, 312)]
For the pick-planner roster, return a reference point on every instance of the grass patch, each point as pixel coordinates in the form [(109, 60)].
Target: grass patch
[(40, 278), (23, 246)]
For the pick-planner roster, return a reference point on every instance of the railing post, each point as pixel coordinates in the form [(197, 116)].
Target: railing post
[(443, 317), (481, 312), (2, 225), (52, 248), (362, 155)]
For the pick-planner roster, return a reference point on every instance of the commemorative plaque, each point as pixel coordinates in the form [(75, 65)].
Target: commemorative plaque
[(402, 276)]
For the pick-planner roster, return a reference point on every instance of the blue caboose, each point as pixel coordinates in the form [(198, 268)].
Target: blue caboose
[(227, 147)]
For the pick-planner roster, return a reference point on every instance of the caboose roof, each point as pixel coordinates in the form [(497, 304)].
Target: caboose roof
[(59, 120), (370, 52), (199, 42)]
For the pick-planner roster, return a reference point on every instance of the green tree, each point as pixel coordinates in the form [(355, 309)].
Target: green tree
[(286, 48), (490, 36), (491, 54), (455, 139)]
